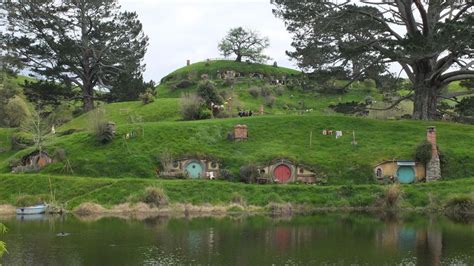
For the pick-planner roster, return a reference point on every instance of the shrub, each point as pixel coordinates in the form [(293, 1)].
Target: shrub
[(191, 106), (166, 160), (17, 111), (229, 82), (280, 90), (238, 199), (350, 108), (283, 209), (254, 92), (392, 195), (147, 97), (22, 140), (208, 92), (60, 154), (466, 107), (183, 84), (368, 83), (331, 88), (266, 91), (226, 175), (460, 207), (270, 100), (3, 247), (103, 131), (154, 196), (423, 152), (61, 115), (249, 173)]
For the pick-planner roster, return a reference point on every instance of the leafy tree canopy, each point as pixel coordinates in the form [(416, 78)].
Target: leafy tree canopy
[(431, 40), (85, 43), (245, 44)]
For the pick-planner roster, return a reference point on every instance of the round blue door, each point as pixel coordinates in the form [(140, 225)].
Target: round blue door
[(194, 170), (406, 174)]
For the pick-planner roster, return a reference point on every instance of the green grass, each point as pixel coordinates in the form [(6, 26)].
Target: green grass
[(108, 192), (132, 112), (271, 137)]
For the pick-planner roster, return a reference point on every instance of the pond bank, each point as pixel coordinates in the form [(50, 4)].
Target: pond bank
[(198, 196)]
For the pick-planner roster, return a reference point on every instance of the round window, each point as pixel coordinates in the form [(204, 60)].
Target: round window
[(175, 164), (214, 165)]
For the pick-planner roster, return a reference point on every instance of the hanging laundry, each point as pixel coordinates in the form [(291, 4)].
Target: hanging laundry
[(325, 132), (338, 134), (330, 132)]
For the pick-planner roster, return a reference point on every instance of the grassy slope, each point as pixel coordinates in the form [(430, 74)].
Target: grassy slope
[(108, 192), (126, 112), (270, 137)]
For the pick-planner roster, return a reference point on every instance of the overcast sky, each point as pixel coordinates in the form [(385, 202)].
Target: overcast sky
[(191, 29)]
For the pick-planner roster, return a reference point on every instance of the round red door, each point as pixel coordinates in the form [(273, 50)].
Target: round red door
[(282, 173)]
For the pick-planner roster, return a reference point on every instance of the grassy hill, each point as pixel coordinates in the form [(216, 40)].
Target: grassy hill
[(271, 137), (283, 132)]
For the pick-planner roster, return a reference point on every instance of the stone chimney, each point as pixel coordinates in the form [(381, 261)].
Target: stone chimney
[(188, 62), (433, 167), (240, 132)]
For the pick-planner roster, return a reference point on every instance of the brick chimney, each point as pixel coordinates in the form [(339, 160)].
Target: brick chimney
[(433, 167), (240, 132)]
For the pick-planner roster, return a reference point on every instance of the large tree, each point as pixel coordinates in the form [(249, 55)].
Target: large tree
[(86, 43), (244, 43), (431, 40)]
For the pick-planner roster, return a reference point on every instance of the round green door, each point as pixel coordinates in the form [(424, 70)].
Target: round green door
[(194, 169), (406, 174)]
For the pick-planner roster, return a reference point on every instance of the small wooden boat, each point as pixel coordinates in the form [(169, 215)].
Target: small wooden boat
[(38, 209)]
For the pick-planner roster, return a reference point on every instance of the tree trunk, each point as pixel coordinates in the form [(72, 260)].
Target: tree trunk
[(239, 58), (88, 97), (426, 91), (425, 103)]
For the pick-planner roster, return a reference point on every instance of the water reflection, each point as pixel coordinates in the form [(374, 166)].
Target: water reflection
[(319, 239)]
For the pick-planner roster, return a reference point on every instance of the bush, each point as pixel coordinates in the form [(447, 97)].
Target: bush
[(238, 199), (254, 92), (249, 173), (192, 107), (460, 207), (22, 140), (266, 91), (208, 92), (280, 90), (17, 111), (392, 195), (61, 115), (368, 83), (270, 100), (154, 196), (147, 97), (226, 175), (229, 82), (350, 108), (183, 84), (423, 152), (465, 107), (103, 131), (331, 88)]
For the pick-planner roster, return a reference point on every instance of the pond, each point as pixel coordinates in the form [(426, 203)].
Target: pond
[(335, 238)]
